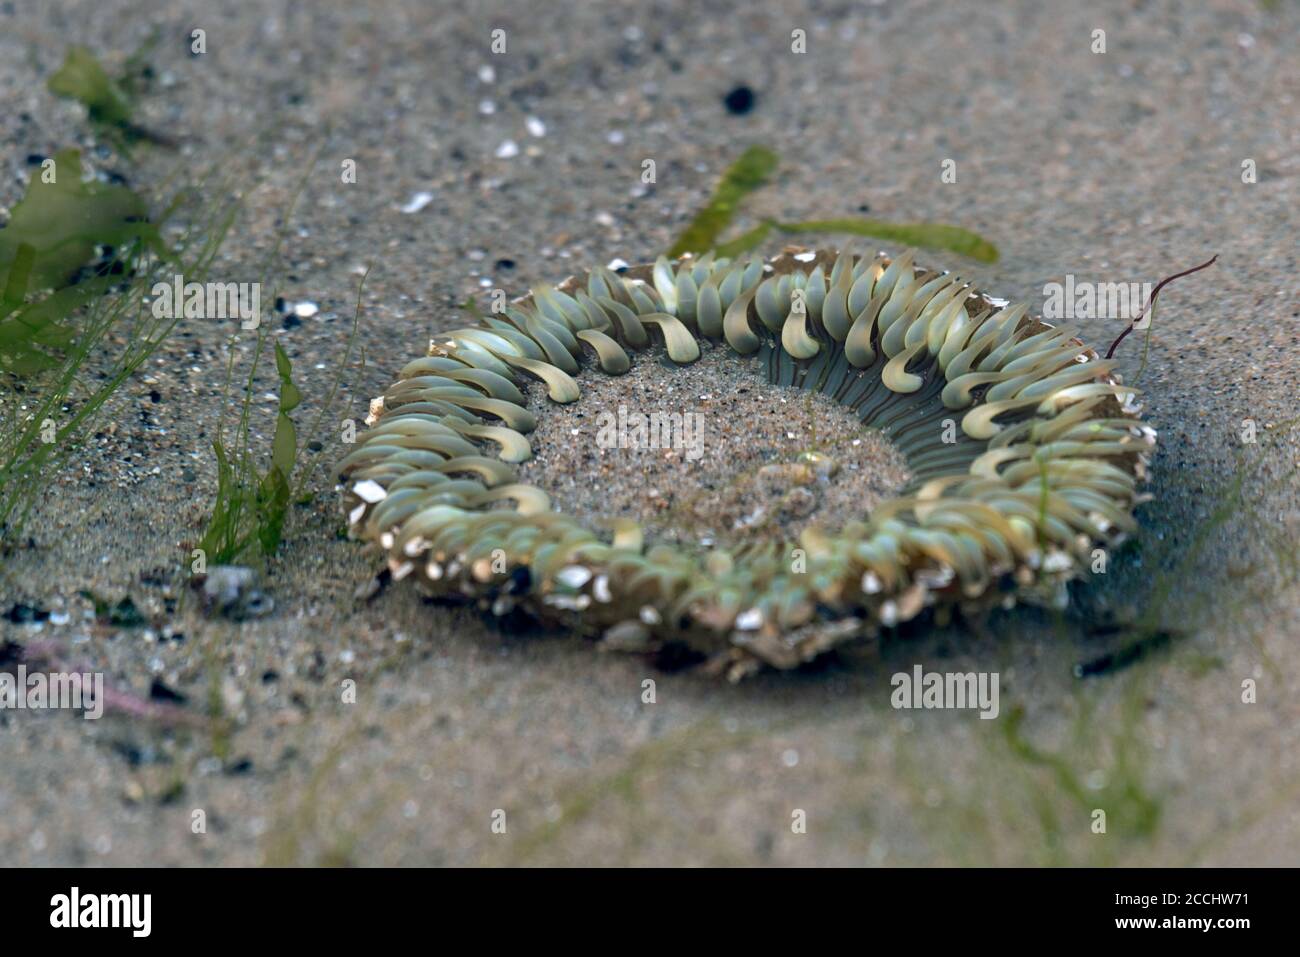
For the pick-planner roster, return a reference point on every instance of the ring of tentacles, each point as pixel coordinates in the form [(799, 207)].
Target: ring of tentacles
[(1047, 464)]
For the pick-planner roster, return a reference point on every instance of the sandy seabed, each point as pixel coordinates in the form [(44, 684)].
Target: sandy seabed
[(1123, 166)]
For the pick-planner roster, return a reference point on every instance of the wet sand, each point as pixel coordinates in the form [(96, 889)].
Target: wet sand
[(1124, 166)]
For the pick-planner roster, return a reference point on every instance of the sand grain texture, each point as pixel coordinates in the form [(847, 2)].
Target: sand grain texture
[(1124, 166)]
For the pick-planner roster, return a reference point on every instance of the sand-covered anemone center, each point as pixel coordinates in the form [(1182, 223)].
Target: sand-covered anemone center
[(709, 454)]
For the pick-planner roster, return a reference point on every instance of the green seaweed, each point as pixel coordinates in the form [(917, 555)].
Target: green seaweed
[(1128, 805), (84, 79), (927, 235), (742, 177), (754, 169), (109, 101), (301, 821), (250, 507), (623, 784), (115, 328), (284, 454), (54, 231)]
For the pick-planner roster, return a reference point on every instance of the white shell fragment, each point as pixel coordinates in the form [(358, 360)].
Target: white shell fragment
[(369, 491), (417, 202), (574, 576)]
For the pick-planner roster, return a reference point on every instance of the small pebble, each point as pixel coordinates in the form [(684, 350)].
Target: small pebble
[(231, 591), (739, 100)]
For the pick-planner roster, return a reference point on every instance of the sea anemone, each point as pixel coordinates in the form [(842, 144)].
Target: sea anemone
[(1025, 451)]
